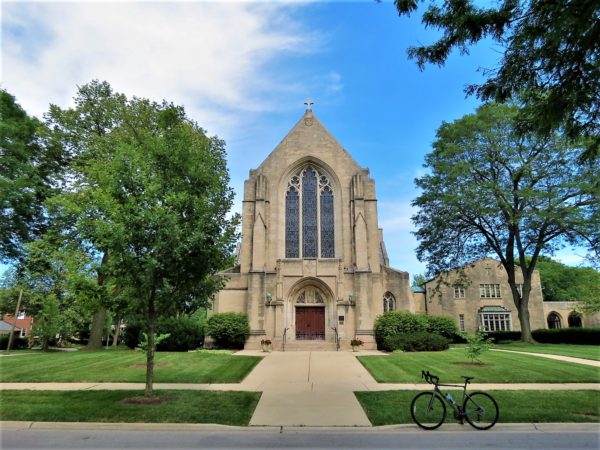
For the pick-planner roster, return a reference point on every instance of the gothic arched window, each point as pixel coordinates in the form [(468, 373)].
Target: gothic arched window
[(389, 302), (554, 320), (309, 215)]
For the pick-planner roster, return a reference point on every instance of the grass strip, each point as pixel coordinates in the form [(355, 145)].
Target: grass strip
[(125, 366), (393, 407), (496, 367), (576, 351), (215, 407)]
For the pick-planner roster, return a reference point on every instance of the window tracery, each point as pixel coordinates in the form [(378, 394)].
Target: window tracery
[(313, 225)]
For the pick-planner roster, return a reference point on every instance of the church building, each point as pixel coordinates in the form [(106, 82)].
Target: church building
[(312, 268)]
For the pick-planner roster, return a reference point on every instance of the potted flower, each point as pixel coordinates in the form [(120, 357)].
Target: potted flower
[(265, 344), (356, 343)]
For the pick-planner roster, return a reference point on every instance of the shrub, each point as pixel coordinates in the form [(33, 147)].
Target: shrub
[(417, 342), (503, 336), (443, 325), (398, 322), (17, 343), (229, 330), (584, 336), (185, 333), (132, 335)]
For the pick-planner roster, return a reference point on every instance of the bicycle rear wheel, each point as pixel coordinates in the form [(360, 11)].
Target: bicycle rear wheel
[(481, 410), (428, 410)]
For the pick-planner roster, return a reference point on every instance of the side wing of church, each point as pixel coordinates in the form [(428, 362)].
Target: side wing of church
[(312, 263)]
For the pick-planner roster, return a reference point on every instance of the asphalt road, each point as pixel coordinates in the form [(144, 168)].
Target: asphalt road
[(297, 439)]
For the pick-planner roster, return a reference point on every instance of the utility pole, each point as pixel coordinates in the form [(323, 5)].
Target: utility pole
[(14, 324)]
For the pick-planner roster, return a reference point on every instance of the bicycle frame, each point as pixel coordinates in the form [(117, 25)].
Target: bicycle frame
[(456, 405)]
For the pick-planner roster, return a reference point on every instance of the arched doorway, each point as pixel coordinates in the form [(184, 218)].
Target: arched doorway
[(308, 310)]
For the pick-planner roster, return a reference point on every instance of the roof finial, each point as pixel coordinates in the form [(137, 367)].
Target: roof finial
[(308, 102)]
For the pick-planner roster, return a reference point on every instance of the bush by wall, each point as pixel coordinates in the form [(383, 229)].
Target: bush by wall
[(398, 322), (584, 336), (17, 343), (503, 336), (443, 325), (229, 330), (416, 342)]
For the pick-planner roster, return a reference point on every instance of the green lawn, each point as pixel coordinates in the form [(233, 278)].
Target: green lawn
[(497, 367), (124, 366), (576, 351), (393, 407), (227, 408)]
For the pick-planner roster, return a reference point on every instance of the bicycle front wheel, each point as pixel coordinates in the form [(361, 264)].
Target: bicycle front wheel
[(481, 410), (428, 410)]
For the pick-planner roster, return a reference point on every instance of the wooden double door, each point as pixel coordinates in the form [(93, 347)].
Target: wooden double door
[(310, 323)]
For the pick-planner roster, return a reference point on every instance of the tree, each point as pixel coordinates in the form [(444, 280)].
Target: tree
[(155, 197), (493, 191), (564, 283), (30, 167), (83, 132), (418, 281), (550, 61)]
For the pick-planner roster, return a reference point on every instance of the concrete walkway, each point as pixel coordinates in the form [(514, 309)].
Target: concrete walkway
[(309, 389), (586, 362)]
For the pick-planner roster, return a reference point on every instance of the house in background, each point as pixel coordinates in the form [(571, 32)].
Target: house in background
[(23, 324)]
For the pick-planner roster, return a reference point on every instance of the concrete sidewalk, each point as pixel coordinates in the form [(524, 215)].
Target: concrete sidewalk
[(571, 359)]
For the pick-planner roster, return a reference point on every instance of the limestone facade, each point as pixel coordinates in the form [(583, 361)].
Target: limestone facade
[(312, 263)]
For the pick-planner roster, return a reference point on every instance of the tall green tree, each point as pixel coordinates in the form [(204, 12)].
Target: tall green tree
[(155, 197), (85, 133), (493, 191), (565, 283), (550, 57), (31, 165)]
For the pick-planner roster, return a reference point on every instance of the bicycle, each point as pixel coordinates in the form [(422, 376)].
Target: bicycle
[(428, 409)]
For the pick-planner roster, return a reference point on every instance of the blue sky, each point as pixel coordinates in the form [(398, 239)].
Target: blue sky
[(243, 71)]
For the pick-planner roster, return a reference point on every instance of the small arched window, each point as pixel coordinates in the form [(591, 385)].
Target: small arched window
[(554, 320), (309, 220), (389, 302), (574, 320)]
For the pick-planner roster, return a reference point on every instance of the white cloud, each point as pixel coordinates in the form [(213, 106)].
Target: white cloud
[(213, 57)]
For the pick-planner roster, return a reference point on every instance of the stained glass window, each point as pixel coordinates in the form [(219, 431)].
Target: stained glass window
[(309, 214), (313, 224), (327, 224), (292, 224)]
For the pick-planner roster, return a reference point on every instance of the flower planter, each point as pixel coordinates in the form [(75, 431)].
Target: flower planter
[(355, 348)]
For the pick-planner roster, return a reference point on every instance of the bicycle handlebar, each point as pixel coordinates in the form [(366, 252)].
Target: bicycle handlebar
[(431, 379)]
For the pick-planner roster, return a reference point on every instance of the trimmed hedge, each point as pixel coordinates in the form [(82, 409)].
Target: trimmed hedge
[(582, 336), (442, 325), (417, 342), (398, 323), (229, 330), (502, 336)]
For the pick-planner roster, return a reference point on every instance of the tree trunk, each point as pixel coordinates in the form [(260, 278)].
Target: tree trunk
[(150, 350), (45, 343), (99, 318), (115, 341), (98, 322)]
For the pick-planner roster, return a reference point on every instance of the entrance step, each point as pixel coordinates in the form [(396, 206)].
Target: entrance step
[(305, 346)]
